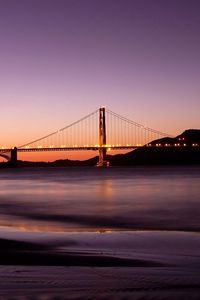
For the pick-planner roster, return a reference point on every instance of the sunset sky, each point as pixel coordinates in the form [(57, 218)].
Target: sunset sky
[(62, 59)]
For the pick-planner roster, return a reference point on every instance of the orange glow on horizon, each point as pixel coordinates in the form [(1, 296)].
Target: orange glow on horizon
[(71, 155), (52, 156)]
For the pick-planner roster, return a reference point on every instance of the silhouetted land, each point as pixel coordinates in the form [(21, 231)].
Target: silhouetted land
[(181, 150)]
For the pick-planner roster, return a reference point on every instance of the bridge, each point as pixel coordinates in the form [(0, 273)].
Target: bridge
[(101, 130)]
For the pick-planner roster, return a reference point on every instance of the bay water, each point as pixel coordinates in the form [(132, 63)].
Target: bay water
[(94, 199)]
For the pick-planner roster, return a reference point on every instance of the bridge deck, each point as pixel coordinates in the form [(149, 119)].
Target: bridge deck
[(94, 148)]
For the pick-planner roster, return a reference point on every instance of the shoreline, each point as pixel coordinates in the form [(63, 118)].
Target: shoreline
[(115, 248), (112, 265)]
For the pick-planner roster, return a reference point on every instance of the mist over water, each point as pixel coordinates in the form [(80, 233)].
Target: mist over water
[(94, 199)]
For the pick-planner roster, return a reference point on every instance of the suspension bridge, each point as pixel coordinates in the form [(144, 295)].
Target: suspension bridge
[(101, 130)]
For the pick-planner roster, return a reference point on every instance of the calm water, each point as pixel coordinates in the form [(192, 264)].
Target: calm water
[(90, 199)]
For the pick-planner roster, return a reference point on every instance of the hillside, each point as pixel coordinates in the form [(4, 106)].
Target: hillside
[(181, 150)]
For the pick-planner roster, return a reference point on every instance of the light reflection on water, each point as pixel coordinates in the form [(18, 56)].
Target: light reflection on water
[(58, 199)]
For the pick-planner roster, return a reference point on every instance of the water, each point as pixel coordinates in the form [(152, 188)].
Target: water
[(94, 199)]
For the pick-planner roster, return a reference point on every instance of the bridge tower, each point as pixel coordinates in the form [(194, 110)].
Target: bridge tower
[(13, 157), (102, 138)]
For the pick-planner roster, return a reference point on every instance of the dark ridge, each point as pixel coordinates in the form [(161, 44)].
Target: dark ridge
[(158, 156)]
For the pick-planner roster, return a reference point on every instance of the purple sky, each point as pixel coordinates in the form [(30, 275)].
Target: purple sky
[(62, 59)]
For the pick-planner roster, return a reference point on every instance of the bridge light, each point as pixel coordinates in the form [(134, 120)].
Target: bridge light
[(184, 145)]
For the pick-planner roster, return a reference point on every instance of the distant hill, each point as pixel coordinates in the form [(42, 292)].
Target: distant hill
[(187, 138), (60, 163), (181, 150)]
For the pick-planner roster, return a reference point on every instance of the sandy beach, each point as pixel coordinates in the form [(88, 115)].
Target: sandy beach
[(100, 265)]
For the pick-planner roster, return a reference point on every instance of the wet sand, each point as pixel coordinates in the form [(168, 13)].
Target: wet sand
[(99, 265)]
